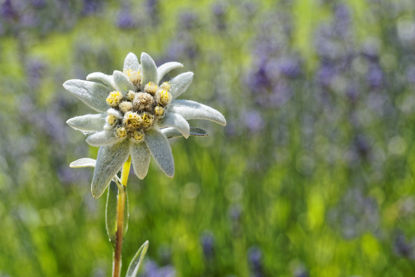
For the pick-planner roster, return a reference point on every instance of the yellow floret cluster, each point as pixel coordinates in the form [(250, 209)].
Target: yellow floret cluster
[(137, 111)]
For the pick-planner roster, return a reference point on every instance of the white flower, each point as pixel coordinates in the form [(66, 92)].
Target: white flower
[(136, 115)]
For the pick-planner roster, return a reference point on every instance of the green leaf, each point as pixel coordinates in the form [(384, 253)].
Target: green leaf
[(135, 263), (111, 212), (126, 212)]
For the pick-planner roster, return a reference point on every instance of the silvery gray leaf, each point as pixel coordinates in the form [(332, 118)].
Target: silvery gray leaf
[(131, 62), (180, 83), (102, 78), (194, 110), (140, 157), (122, 83), (91, 93), (102, 138), (88, 162), (149, 69), (87, 123), (171, 132), (165, 68), (178, 122), (137, 260), (83, 162), (109, 161), (160, 149)]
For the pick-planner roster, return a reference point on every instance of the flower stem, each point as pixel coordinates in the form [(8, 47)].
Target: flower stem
[(120, 219)]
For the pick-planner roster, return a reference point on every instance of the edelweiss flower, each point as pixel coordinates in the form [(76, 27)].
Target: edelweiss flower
[(136, 115)]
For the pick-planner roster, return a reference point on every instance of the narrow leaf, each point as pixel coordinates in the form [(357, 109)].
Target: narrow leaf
[(111, 212), (171, 132), (131, 62), (137, 260), (165, 68), (83, 162)]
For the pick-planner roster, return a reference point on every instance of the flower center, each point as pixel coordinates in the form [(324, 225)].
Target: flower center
[(130, 115)]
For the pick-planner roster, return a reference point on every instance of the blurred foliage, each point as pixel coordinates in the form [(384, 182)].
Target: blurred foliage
[(313, 176)]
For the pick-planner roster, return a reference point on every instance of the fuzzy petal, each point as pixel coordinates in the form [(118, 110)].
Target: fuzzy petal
[(122, 83), (160, 149), (131, 62), (87, 123), (140, 157), (102, 78), (149, 69), (194, 110), (102, 138), (171, 132), (177, 121), (109, 162), (91, 93), (180, 83), (165, 68), (83, 162)]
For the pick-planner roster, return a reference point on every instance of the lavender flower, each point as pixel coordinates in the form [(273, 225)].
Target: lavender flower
[(125, 19), (403, 247), (219, 12), (255, 262), (151, 269), (207, 241), (253, 121)]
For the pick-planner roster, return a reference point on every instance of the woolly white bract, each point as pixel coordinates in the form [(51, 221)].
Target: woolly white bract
[(136, 116)]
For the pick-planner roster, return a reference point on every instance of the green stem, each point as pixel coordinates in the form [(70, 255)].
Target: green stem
[(116, 270)]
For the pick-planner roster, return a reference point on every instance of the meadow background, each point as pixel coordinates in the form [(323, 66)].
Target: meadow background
[(312, 176)]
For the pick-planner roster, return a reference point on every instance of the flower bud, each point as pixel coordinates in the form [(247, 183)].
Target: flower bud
[(143, 101), (147, 119), (159, 111), (133, 76), (125, 106), (121, 132), (132, 120), (114, 98), (151, 88), (137, 136)]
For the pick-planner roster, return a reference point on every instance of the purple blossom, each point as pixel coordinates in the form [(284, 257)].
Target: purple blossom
[(301, 272), (207, 241), (8, 11), (35, 71), (355, 219), (402, 247), (362, 146), (182, 47), (375, 76), (289, 67), (325, 75), (67, 175), (342, 19), (125, 19), (91, 6), (37, 4), (253, 121), (410, 74), (259, 79), (255, 262), (219, 12), (188, 21), (153, 8), (151, 269)]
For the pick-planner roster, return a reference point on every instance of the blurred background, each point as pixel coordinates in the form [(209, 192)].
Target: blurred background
[(313, 176)]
